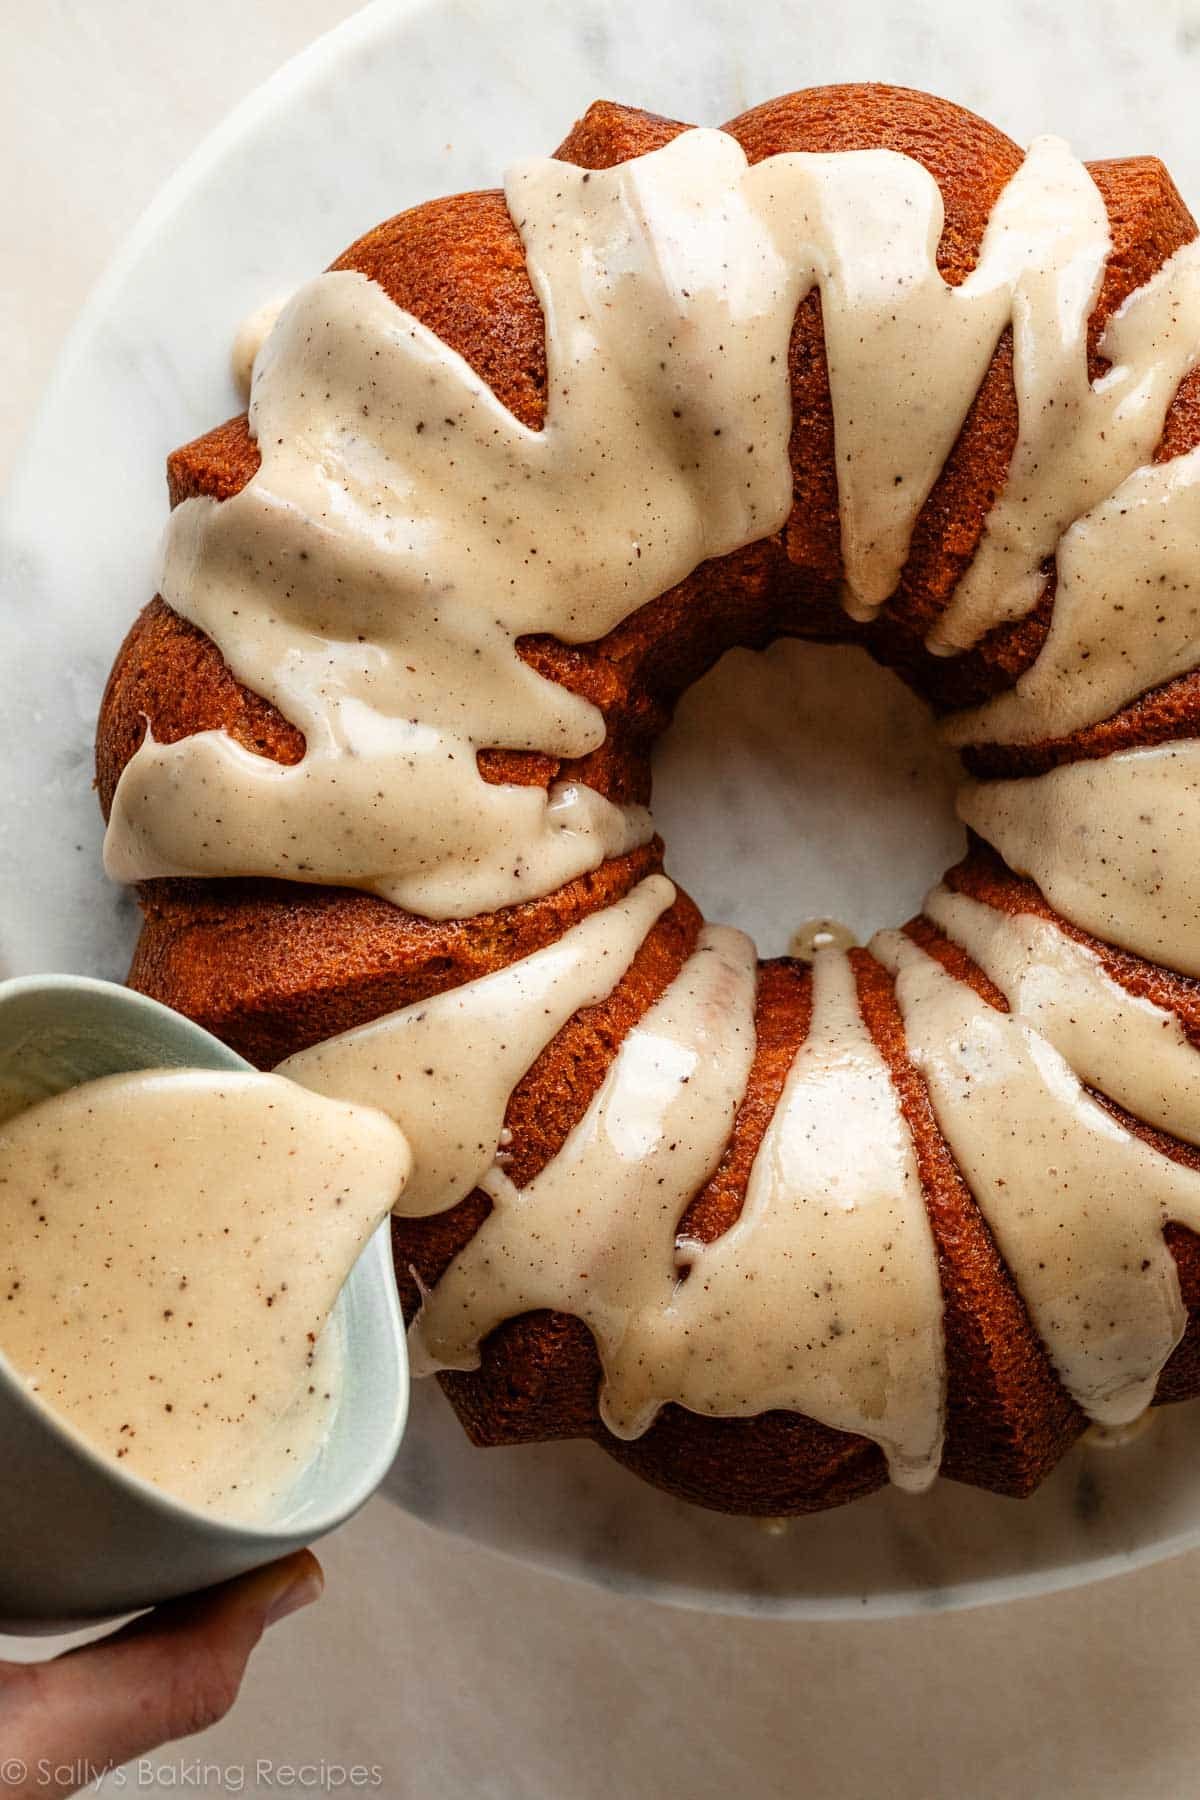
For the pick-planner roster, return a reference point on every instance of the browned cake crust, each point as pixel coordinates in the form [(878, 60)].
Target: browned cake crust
[(272, 966)]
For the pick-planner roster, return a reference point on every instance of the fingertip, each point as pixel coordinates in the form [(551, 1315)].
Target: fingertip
[(298, 1581), (247, 1605)]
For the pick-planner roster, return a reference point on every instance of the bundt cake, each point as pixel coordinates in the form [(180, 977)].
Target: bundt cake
[(517, 470)]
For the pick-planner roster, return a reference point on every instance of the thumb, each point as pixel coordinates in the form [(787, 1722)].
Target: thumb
[(169, 1673)]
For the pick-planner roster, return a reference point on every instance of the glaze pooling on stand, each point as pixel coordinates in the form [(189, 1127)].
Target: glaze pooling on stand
[(445, 1068), (173, 1242), (404, 530), (818, 934)]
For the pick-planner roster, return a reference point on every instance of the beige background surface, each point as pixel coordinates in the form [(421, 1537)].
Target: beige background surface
[(493, 1681)]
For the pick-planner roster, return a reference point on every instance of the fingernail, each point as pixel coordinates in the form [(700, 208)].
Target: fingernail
[(302, 1592)]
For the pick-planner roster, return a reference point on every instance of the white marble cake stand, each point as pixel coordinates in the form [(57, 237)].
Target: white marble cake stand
[(805, 783)]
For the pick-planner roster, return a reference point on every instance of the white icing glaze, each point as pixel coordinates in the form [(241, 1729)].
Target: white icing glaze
[(906, 352), (446, 1067), (594, 1232), (1133, 1051), (404, 530), (1119, 1437), (251, 335), (1111, 844), (1075, 1202), (1077, 440), (172, 1243), (1126, 612), (824, 1297)]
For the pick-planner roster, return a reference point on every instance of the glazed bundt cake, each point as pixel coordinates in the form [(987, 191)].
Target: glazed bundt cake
[(517, 471)]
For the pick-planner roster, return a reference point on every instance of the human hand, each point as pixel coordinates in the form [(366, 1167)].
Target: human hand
[(171, 1672)]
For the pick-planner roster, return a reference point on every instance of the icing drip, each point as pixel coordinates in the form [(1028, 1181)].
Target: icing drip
[(1111, 844), (1077, 439), (446, 1067), (1075, 1203), (1126, 612), (824, 1296), (404, 530), (906, 352), (1119, 1437), (252, 334), (594, 1231), (1133, 1051), (173, 1241)]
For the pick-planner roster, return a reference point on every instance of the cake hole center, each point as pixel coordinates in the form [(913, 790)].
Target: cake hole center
[(801, 785)]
